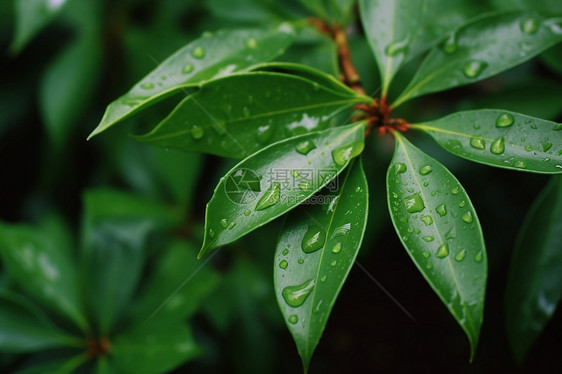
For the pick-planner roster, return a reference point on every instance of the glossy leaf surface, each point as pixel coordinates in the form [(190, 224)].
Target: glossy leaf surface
[(483, 48), (41, 265), (238, 115), (155, 347), (334, 12), (534, 286), (31, 17), (315, 253), (500, 138), (398, 30), (24, 328), (115, 234), (209, 57), (438, 226), (275, 180)]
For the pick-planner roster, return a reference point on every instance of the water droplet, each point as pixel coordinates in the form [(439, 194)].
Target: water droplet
[(147, 86), (424, 170), (479, 256), (333, 263), (211, 233), (323, 279), (462, 204), (477, 142), (504, 120), (557, 127), (476, 126), (295, 173), (546, 146), (427, 220), (300, 261), (197, 132), (426, 254), (198, 52), (498, 146), (305, 147), (451, 234), (247, 212), (473, 69), (442, 251), (283, 264), (450, 45), (295, 296), (428, 238), (528, 148), (285, 252), (264, 133), (396, 48), (293, 319), (442, 210), (270, 197), (305, 185), (460, 255), (246, 112), (224, 223), (425, 184), (455, 191), (187, 68), (529, 26), (521, 164), (337, 248), (313, 239), (399, 168), (343, 230), (341, 155), (533, 126), (414, 203), (467, 217), (251, 43), (232, 224), (429, 266)]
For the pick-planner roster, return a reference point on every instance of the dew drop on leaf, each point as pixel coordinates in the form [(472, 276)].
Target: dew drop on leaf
[(305, 185), (467, 217), (247, 212), (270, 197), (479, 256), (545, 146), (211, 233), (477, 142), (450, 45), (198, 52), (498, 146), (558, 127), (187, 68), (313, 239), (197, 132), (455, 191), (285, 252), (283, 264), (333, 263), (521, 164), (323, 279), (264, 132), (428, 238), (504, 120), (147, 86), (251, 43), (300, 261), (396, 48), (246, 111), (426, 254), (473, 69), (442, 251), (224, 223), (460, 255), (337, 248), (305, 147), (451, 234), (414, 203), (343, 230), (341, 155), (424, 170), (427, 220), (295, 173), (529, 26), (441, 210), (293, 319), (296, 295)]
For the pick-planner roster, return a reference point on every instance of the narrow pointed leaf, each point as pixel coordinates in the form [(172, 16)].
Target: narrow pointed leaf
[(24, 328), (155, 347), (42, 267), (31, 17), (438, 226), (488, 46), (399, 30), (277, 179), (211, 56), (314, 255), (534, 286), (500, 138), (238, 115)]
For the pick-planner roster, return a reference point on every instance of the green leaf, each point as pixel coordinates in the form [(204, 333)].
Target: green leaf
[(534, 286), (553, 58), (399, 30), (238, 115), (24, 327), (314, 255), (115, 233), (438, 226), (500, 138), (275, 180), (481, 49), (209, 57), (42, 266), (177, 287), (332, 11), (155, 347), (31, 17)]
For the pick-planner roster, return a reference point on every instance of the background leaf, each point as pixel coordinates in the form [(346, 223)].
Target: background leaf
[(500, 138), (211, 56), (481, 49), (314, 255), (332, 11), (269, 183), (534, 286), (238, 115), (115, 234), (155, 347), (438, 226)]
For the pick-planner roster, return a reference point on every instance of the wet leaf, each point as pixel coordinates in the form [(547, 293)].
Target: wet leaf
[(315, 253), (488, 46), (209, 57), (236, 116), (534, 286), (334, 12), (438, 226), (277, 179), (500, 138)]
